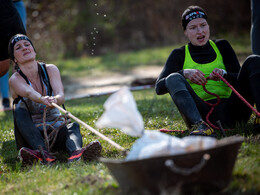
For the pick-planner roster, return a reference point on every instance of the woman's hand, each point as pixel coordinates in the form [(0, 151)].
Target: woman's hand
[(48, 100), (214, 77), (195, 76)]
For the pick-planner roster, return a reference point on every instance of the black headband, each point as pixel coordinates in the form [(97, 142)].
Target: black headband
[(191, 16), (14, 40)]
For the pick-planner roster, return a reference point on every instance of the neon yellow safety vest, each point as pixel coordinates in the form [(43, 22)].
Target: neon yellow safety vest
[(217, 87)]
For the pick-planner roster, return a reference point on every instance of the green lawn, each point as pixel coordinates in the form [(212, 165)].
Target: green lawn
[(94, 178), (112, 62), (125, 61)]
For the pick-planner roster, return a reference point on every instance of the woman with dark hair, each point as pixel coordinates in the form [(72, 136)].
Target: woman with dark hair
[(35, 86), (190, 67)]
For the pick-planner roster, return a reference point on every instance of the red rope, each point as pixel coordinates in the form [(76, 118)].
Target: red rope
[(217, 103), (240, 96), (172, 131), (214, 105)]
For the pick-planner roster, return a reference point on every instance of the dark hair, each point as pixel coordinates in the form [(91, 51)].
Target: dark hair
[(13, 41), (192, 12)]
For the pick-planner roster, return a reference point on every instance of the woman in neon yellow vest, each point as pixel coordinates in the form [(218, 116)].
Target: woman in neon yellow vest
[(193, 65)]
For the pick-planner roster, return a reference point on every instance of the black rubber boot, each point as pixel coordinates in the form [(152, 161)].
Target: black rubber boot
[(6, 103), (255, 90), (187, 108)]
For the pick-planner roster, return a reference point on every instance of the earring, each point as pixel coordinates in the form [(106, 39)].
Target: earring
[(16, 67)]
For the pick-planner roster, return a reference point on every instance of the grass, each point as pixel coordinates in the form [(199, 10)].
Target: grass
[(126, 61), (94, 178), (112, 62)]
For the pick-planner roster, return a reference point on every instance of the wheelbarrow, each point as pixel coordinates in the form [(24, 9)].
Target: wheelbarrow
[(208, 170)]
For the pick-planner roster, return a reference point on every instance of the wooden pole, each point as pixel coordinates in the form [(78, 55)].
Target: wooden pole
[(89, 128)]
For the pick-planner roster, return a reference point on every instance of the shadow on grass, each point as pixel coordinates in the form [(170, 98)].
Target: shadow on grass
[(102, 185), (9, 154)]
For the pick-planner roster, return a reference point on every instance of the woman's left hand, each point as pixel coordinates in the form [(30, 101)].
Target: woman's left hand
[(48, 100), (214, 77)]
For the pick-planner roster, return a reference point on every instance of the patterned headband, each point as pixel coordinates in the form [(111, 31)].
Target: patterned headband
[(191, 16), (14, 40)]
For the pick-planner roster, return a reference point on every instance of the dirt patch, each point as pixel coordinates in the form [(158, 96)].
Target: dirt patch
[(97, 85), (83, 86)]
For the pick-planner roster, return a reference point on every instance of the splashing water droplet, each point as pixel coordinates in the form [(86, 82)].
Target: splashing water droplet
[(97, 13), (97, 32), (94, 37), (35, 13), (95, 4), (95, 28), (105, 15)]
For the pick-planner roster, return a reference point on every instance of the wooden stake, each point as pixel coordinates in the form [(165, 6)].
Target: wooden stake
[(89, 128)]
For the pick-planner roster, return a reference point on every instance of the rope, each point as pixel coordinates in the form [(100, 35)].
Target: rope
[(217, 103), (172, 131), (240, 96), (51, 137), (90, 128), (214, 105)]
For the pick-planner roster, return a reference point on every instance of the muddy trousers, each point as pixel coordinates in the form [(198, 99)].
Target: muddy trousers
[(27, 135), (179, 90)]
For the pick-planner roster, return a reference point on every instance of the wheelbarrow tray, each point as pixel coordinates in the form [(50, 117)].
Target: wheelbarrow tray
[(152, 176)]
